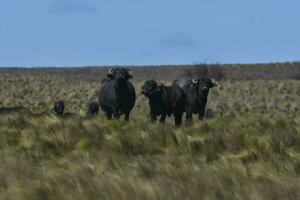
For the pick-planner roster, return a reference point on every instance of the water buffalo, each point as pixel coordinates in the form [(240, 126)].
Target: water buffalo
[(59, 107), (196, 91), (93, 108), (164, 100), (117, 94)]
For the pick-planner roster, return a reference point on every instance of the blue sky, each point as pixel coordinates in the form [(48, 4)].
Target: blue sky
[(134, 32)]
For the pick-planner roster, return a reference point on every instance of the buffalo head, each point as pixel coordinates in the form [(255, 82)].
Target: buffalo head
[(120, 74), (149, 87), (203, 85), (93, 108)]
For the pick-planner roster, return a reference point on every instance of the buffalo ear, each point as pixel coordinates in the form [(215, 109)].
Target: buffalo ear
[(111, 76), (213, 83), (129, 74)]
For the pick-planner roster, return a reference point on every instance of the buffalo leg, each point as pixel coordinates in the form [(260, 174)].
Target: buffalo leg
[(202, 110), (201, 114), (108, 115), (127, 116), (153, 117), (116, 114), (178, 119), (163, 118), (201, 117)]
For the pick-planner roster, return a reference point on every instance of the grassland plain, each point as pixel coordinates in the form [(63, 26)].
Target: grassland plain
[(247, 148)]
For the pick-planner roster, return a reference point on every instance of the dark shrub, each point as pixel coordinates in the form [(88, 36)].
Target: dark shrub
[(214, 71)]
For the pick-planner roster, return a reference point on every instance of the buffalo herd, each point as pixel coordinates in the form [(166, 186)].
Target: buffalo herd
[(117, 96)]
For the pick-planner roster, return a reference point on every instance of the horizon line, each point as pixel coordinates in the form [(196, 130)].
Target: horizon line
[(148, 65)]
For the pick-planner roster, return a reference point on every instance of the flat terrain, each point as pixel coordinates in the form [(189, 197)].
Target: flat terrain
[(247, 148)]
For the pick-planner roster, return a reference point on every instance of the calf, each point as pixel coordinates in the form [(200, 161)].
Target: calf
[(93, 108), (164, 100), (59, 107)]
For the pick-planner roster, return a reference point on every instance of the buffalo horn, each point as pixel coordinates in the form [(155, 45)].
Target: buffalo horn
[(195, 80)]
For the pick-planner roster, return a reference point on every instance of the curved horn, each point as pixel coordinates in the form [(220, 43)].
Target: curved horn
[(195, 80), (111, 70), (110, 74)]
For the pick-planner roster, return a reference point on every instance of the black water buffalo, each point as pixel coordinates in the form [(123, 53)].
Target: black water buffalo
[(164, 100), (59, 107), (93, 108), (117, 94), (196, 91)]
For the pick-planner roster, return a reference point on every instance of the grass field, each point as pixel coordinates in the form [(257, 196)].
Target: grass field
[(247, 148)]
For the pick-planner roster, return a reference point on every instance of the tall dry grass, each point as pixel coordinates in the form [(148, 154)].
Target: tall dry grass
[(247, 148)]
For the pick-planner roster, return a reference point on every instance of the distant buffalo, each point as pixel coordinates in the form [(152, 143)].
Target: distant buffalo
[(93, 108), (117, 94), (196, 91), (59, 107), (164, 100)]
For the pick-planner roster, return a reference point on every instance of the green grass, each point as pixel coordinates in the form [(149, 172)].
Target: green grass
[(252, 151)]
